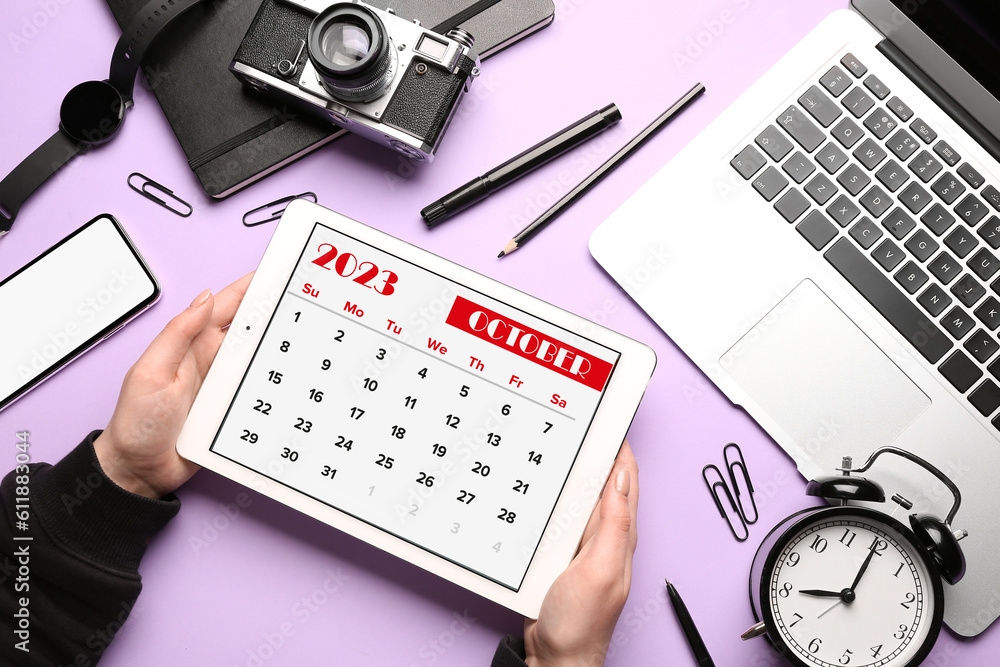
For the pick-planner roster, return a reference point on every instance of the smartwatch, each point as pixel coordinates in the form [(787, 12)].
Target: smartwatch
[(92, 112)]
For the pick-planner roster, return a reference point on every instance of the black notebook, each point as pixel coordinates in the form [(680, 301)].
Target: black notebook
[(233, 136)]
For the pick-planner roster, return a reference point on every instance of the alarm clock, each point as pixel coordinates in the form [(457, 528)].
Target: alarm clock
[(850, 585)]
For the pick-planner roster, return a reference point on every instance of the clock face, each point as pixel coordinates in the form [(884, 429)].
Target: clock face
[(846, 588)]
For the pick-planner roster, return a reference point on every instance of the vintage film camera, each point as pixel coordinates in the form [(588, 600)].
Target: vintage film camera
[(367, 70)]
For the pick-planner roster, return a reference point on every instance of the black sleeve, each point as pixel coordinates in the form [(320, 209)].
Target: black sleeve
[(510, 653), (72, 543)]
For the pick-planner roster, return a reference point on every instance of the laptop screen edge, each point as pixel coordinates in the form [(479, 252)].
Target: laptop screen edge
[(934, 60)]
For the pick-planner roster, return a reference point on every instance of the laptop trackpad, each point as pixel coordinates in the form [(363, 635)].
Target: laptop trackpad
[(824, 382)]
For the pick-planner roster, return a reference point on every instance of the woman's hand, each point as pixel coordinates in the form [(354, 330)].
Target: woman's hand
[(579, 613), (137, 449)]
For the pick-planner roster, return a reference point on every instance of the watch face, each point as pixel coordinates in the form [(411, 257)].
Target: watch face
[(92, 112), (846, 587)]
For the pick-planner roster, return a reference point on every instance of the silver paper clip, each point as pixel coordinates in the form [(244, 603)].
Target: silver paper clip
[(718, 488), (742, 486), (273, 214), (152, 185)]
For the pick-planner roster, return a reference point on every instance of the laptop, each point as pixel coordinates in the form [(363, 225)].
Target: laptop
[(828, 252)]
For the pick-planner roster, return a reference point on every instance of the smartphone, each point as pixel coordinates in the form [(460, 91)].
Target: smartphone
[(68, 299)]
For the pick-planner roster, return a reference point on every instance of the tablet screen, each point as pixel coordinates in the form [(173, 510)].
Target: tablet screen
[(416, 404)]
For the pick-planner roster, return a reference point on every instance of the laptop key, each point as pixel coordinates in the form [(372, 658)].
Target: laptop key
[(921, 331), (770, 183), (853, 65), (981, 345), (990, 232), (903, 112), (989, 313), (947, 153), (948, 188), (971, 210), (888, 255), (880, 123), (803, 130), (911, 277), (938, 219), (847, 132), (892, 175), (971, 176), (923, 131), (876, 201), (903, 145), (968, 291), (922, 245), (843, 211), (866, 233), (869, 154), (957, 323), (854, 179), (816, 229), (915, 197), (821, 189), (961, 241), (858, 102), (791, 205), (831, 158), (879, 89), (819, 106), (925, 166), (898, 223), (774, 143), (986, 398), (934, 299), (799, 167), (748, 162), (945, 267), (835, 81), (960, 371), (984, 264), (992, 195)]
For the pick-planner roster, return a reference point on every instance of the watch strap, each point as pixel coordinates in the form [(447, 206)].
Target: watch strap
[(34, 170), (137, 37)]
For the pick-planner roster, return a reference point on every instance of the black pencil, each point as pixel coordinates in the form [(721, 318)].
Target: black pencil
[(593, 179), (688, 626)]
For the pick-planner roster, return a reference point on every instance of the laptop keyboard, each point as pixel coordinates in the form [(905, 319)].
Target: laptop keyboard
[(897, 212)]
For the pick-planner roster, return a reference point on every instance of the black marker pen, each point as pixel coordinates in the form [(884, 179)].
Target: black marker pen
[(480, 188)]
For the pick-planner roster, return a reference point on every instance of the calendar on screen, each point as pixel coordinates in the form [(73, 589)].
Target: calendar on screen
[(417, 405)]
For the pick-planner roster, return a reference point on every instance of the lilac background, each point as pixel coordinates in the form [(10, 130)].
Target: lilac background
[(235, 595)]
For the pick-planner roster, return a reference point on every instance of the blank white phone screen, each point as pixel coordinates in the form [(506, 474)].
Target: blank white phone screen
[(66, 301)]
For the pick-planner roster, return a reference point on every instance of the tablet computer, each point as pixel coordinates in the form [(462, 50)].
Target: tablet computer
[(437, 414)]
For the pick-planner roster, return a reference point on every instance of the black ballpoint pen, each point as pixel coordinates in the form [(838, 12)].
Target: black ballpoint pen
[(688, 626), (520, 165)]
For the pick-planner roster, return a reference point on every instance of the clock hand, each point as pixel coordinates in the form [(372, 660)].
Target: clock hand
[(830, 608), (864, 566), (822, 594)]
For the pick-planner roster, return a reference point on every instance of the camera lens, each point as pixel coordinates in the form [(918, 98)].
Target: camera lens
[(345, 44), (350, 50)]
